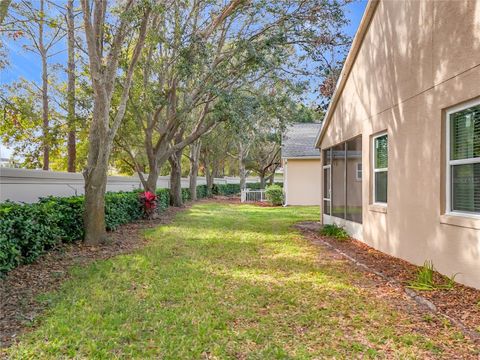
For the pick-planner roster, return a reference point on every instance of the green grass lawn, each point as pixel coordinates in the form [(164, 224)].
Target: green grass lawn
[(228, 282)]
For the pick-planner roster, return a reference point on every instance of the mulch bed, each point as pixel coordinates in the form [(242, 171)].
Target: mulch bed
[(21, 286), (461, 303)]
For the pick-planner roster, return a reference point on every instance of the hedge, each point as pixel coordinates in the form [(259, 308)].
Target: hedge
[(257, 186), (226, 189), (28, 230)]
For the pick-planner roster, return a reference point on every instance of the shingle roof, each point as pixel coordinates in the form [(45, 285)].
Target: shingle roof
[(299, 141)]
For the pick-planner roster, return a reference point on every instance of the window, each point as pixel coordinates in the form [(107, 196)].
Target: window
[(359, 172), (380, 168), (463, 159), (342, 192)]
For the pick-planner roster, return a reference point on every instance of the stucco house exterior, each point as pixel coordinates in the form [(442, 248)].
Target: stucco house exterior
[(406, 112), (301, 165)]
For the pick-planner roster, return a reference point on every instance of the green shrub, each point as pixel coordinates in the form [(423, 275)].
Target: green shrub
[(226, 189), (202, 191), (425, 279), (274, 194), (28, 230), (186, 195), (163, 199), (121, 208), (335, 231), (257, 185), (69, 215)]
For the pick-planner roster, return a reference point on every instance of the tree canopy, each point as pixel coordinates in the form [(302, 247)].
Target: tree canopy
[(145, 86)]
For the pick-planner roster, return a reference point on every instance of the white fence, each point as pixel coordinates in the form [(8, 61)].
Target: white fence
[(252, 195), (25, 185)]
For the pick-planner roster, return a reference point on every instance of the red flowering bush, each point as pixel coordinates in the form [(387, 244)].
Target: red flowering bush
[(149, 203)]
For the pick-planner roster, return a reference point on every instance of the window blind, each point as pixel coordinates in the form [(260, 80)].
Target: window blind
[(465, 134), (381, 152), (464, 159), (466, 187)]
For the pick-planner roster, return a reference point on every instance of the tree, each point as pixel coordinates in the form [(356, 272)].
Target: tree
[(176, 71), (197, 63), (264, 157), (214, 154), (41, 28), (71, 117), (194, 158), (4, 4), (104, 57), (175, 161)]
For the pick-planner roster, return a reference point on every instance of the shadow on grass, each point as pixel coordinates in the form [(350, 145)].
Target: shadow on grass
[(213, 284)]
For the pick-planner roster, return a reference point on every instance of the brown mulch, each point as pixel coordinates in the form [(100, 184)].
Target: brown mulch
[(461, 303), (21, 286)]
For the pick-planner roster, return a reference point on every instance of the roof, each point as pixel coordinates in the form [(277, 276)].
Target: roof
[(299, 141), (347, 67)]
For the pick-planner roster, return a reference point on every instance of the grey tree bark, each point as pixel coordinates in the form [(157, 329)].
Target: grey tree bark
[(71, 121), (271, 179), (194, 165), (242, 156), (104, 72), (45, 114), (176, 179), (262, 181)]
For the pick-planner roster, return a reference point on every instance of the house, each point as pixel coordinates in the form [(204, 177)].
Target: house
[(301, 165), (400, 141)]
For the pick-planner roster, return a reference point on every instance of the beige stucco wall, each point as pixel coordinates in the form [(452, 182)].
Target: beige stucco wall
[(418, 58), (302, 181)]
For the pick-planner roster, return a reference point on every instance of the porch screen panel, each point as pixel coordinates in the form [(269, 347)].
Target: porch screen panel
[(354, 182), (338, 181), (326, 190)]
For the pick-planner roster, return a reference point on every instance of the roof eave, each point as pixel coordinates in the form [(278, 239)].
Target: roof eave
[(347, 67)]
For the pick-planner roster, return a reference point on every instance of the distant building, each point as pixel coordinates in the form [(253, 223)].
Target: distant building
[(7, 163), (301, 165)]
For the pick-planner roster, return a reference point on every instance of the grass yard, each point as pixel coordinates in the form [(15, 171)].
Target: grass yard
[(226, 281)]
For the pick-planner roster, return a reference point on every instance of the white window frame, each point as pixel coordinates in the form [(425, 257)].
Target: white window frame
[(358, 178), (450, 163), (375, 170), (329, 167)]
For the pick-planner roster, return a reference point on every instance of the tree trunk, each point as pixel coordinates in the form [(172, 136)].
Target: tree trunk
[(208, 177), (243, 175), (262, 181), (176, 179), (94, 214), (95, 174), (45, 124), (151, 183), (194, 163), (271, 179), (71, 142), (103, 73)]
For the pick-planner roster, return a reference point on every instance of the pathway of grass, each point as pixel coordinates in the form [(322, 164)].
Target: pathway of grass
[(224, 281)]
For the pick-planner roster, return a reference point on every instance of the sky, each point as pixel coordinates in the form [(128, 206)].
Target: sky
[(22, 65)]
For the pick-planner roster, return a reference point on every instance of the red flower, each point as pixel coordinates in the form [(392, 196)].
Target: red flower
[(149, 200)]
